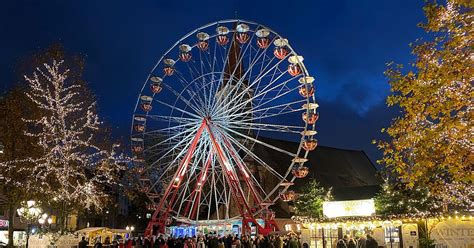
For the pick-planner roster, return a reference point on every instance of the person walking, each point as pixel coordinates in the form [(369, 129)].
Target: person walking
[(351, 244), (341, 244), (361, 243), (82, 243), (371, 242)]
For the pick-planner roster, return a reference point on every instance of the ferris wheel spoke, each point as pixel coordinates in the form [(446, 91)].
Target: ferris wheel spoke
[(231, 77), (176, 119), (274, 115), (237, 97), (172, 149), (254, 156), (194, 96), (180, 97), (259, 142), (233, 109), (281, 107), (265, 127), (245, 171), (191, 131), (251, 63), (179, 109), (241, 80)]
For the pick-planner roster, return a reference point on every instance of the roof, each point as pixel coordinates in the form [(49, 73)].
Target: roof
[(332, 167), (350, 173), (356, 193)]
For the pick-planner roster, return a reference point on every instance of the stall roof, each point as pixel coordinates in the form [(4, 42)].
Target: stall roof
[(90, 229)]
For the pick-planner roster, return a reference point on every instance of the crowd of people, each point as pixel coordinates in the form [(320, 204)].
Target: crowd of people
[(230, 241), (206, 241), (358, 242)]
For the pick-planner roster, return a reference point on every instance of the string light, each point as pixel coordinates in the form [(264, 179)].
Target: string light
[(72, 168)]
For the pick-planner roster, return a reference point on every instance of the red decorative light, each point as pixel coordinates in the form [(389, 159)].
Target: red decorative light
[(288, 196), (300, 172), (144, 189), (139, 128), (294, 69), (185, 57), (242, 37), (203, 45), (310, 144), (263, 42), (222, 40), (156, 88), (306, 91), (280, 52), (137, 149), (146, 106), (169, 70), (140, 170), (311, 118)]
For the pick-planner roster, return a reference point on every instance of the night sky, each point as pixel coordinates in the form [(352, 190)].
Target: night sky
[(345, 44)]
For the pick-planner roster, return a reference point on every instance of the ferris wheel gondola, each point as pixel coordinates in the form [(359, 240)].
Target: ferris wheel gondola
[(201, 122)]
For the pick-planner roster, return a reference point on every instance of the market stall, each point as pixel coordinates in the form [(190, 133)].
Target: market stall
[(94, 234)]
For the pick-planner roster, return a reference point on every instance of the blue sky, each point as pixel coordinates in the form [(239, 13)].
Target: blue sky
[(346, 45)]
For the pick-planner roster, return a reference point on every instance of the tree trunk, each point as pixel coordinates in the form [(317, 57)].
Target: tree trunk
[(11, 219)]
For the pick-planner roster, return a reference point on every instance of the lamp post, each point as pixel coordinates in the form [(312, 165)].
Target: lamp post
[(131, 229), (29, 214)]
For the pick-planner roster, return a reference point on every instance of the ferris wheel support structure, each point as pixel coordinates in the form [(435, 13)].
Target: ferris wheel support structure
[(199, 131)]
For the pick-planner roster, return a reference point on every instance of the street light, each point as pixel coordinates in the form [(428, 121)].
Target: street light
[(131, 229), (29, 214), (1, 148)]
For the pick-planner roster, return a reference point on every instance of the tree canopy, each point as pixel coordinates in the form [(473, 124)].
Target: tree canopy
[(431, 142)]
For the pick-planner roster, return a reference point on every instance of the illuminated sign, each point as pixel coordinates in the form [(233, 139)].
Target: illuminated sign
[(3, 223), (332, 209)]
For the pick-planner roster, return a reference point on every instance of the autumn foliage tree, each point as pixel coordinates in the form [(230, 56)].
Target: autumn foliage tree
[(431, 143)]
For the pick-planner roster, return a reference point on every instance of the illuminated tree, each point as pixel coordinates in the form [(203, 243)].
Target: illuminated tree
[(17, 147), (432, 141), (310, 200), (395, 199)]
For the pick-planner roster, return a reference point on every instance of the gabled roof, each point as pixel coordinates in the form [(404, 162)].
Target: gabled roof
[(332, 167)]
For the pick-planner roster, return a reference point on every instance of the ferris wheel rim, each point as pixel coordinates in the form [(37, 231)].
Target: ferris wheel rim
[(305, 73)]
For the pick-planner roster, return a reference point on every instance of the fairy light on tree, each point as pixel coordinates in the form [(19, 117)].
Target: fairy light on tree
[(29, 213), (72, 167), (432, 141)]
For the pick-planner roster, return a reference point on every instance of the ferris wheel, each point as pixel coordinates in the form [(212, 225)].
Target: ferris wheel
[(205, 120)]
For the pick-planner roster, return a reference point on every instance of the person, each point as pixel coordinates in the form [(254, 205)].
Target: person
[(214, 243), (228, 241), (129, 243), (98, 244), (220, 243), (361, 242), (83, 243), (279, 242), (346, 239), (293, 243), (341, 244), (351, 244), (371, 242), (107, 242)]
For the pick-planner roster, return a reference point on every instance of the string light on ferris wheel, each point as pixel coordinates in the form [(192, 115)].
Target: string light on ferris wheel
[(202, 116)]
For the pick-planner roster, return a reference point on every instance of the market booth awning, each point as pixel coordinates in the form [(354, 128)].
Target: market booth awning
[(93, 233)]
